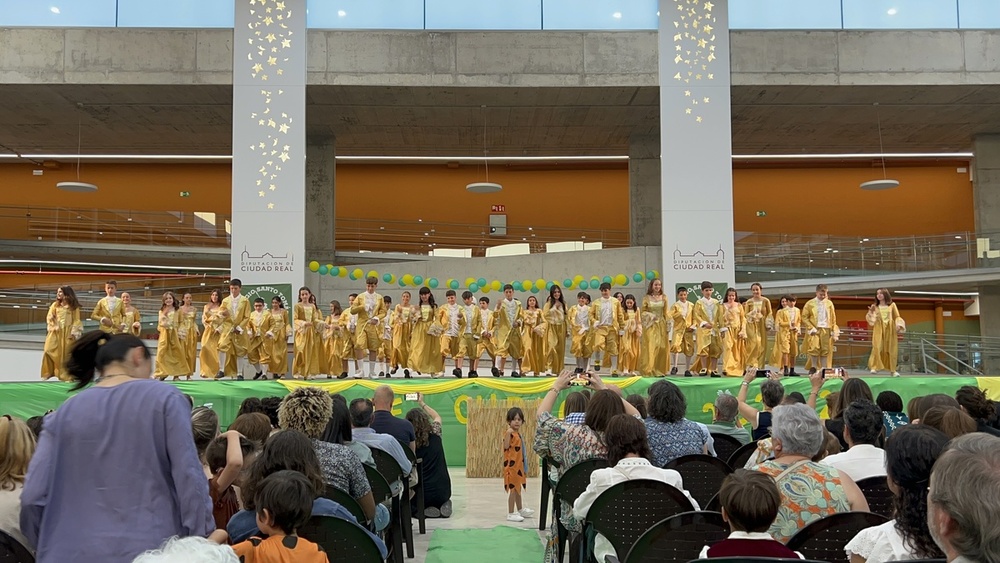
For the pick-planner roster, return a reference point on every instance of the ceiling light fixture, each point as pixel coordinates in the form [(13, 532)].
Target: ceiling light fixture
[(885, 183), (54, 9), (77, 186), (617, 15), (486, 187), (892, 11)]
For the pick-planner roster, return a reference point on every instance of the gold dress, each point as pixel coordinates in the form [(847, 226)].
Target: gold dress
[(786, 339), (188, 333), (64, 327), (425, 344), (757, 312), (333, 346), (129, 318), (682, 340), (555, 337), (171, 356), (654, 359), (277, 356), (629, 358), (402, 329), (532, 331), (209, 356), (734, 340), (308, 345), (885, 323)]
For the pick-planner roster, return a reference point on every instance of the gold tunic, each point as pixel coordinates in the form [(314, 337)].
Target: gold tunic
[(654, 359), (757, 312), (734, 339), (211, 320), (532, 332), (171, 356), (308, 345), (188, 333), (64, 327), (425, 348), (555, 337), (277, 356)]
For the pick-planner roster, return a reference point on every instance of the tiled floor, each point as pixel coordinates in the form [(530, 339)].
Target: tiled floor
[(478, 503)]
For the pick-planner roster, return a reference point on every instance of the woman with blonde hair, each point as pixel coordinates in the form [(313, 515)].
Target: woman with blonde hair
[(211, 319), (17, 445), (884, 320), (63, 325), (654, 359), (170, 354)]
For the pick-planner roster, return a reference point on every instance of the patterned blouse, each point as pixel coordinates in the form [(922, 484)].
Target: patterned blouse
[(342, 468), (566, 443), (808, 493), (671, 440)]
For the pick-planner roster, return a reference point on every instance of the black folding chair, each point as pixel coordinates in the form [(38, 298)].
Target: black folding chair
[(419, 493), (678, 538), (11, 551), (725, 445), (571, 484), (389, 467), (546, 488), (394, 533), (348, 502), (714, 504), (341, 540), (702, 474), (824, 539), (625, 511), (741, 456), (879, 497)]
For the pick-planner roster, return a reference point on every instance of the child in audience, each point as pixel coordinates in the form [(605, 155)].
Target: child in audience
[(205, 427), (515, 466), (284, 503), (750, 502), (225, 458)]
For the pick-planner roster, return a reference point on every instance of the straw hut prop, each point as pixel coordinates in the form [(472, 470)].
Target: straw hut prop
[(484, 435)]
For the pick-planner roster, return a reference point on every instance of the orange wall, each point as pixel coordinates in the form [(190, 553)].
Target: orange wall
[(929, 200)]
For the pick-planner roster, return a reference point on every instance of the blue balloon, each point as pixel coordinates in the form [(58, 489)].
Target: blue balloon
[(453, 284), (323, 270), (548, 285), (417, 280), (481, 282), (473, 287), (583, 284), (534, 289), (518, 286)]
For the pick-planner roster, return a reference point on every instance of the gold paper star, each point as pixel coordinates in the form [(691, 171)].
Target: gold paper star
[(272, 61), (677, 48), (711, 77), (258, 182), (284, 148), (698, 119), (270, 206), (702, 43), (283, 128), (270, 38), (268, 20), (688, 111), (677, 24), (677, 37), (686, 93), (286, 43), (263, 77), (677, 76), (705, 100), (709, 6), (260, 193), (678, 59), (284, 157), (272, 187), (280, 72), (271, 123), (697, 77), (260, 122), (281, 6), (711, 57), (707, 29), (712, 48), (257, 68), (261, 144)]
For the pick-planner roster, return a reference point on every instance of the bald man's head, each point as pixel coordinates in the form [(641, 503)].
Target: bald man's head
[(383, 398)]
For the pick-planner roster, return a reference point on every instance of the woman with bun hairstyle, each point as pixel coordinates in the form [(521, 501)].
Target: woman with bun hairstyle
[(116, 472), (973, 401)]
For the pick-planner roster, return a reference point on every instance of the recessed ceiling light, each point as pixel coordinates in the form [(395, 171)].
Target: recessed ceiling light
[(892, 11), (617, 15), (54, 9), (341, 13)]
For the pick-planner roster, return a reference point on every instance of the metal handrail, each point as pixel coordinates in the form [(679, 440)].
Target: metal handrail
[(924, 344)]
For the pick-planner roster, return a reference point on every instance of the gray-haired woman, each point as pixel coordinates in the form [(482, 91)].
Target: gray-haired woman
[(809, 490)]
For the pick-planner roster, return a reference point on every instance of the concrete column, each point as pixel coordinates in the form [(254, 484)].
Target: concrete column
[(320, 211), (986, 202), (644, 190)]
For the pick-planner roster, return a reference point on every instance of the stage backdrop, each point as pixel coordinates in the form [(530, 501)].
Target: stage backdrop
[(449, 397)]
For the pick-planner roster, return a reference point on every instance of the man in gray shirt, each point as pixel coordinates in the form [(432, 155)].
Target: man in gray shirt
[(362, 412)]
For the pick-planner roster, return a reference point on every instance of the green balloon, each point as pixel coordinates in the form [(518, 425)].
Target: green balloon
[(549, 284), (583, 284), (323, 270), (567, 282), (433, 283), (534, 289), (402, 283), (481, 282), (606, 279), (351, 275), (518, 286), (637, 277), (417, 280), (387, 278), (650, 275), (473, 287), (453, 284)]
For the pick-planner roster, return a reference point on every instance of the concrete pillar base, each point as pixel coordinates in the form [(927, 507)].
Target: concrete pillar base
[(644, 191)]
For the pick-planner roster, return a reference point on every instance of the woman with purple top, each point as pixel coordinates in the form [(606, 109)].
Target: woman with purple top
[(116, 472)]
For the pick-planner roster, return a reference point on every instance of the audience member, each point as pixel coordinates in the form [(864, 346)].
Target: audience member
[(430, 449), (962, 508), (831, 446), (384, 422), (189, 550), (17, 445), (575, 407), (205, 427), (862, 429), (568, 444), (854, 389), (639, 402), (670, 434), (361, 418), (225, 458), (283, 503), (308, 410), (251, 405), (628, 459), (771, 393), (116, 472), (910, 454), (893, 416), (809, 490), (913, 409), (750, 501), (725, 418), (950, 420), (255, 426), (338, 431), (285, 450), (794, 398), (928, 402), (35, 424), (975, 404), (271, 405)]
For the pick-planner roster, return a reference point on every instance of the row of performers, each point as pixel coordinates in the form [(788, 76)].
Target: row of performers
[(632, 339)]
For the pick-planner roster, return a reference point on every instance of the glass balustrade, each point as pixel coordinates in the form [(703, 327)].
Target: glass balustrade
[(607, 15)]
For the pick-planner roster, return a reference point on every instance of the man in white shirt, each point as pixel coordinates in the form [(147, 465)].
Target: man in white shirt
[(862, 429)]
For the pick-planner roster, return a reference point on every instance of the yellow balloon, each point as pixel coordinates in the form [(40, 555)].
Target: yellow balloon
[(358, 272), (342, 272), (469, 281), (656, 274), (392, 278), (408, 279), (314, 266), (527, 285), (540, 283), (372, 274), (621, 279), (485, 288), (577, 279), (496, 285)]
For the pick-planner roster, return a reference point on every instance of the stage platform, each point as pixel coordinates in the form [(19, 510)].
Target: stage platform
[(448, 396)]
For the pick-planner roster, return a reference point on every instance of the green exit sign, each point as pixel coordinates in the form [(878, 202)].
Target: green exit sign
[(762, 213), (188, 194)]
